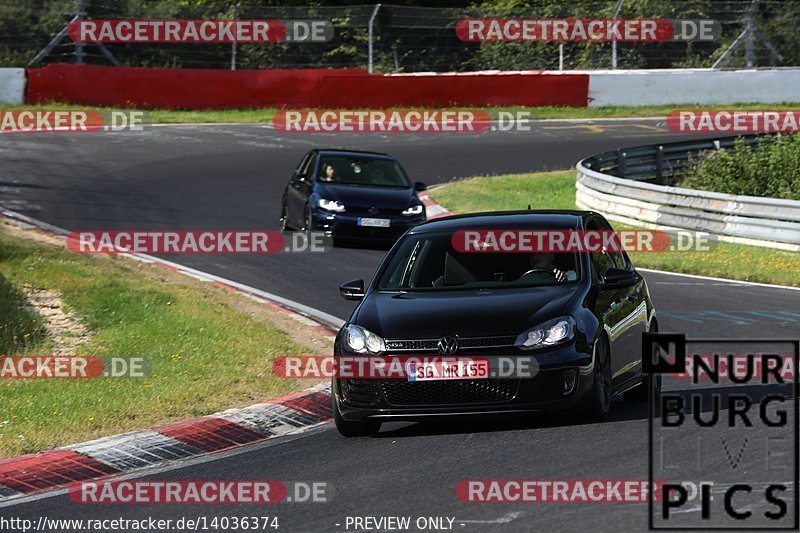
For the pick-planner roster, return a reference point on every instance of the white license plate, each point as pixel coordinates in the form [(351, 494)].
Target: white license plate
[(374, 222), (447, 370)]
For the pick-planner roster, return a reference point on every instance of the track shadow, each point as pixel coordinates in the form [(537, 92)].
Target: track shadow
[(621, 411)]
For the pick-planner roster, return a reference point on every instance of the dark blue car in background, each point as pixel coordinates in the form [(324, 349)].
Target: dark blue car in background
[(351, 195)]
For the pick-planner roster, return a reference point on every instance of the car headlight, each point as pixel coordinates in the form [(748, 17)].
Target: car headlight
[(330, 205), (550, 333), (413, 210), (362, 340)]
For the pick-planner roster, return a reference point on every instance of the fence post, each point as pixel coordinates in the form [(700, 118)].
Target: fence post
[(80, 48), (659, 162), (614, 42), (369, 31), (233, 44), (621, 163)]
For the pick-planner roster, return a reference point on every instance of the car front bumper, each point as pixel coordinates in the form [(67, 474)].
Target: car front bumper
[(375, 399), (345, 225)]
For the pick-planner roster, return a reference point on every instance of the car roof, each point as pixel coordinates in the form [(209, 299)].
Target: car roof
[(357, 153), (536, 218)]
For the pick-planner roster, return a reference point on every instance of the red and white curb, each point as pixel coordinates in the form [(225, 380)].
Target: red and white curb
[(121, 454), (432, 209)]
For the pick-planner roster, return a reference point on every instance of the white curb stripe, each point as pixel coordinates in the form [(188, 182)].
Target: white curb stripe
[(137, 449)]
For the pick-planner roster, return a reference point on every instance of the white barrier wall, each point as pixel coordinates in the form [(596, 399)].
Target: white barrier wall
[(692, 86), (12, 85)]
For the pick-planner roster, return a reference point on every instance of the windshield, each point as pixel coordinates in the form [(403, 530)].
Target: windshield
[(362, 171), (429, 262)]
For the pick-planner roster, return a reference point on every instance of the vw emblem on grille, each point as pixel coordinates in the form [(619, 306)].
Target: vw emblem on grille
[(373, 210), (447, 345)]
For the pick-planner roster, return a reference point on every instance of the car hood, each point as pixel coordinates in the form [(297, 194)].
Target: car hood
[(361, 196), (464, 313)]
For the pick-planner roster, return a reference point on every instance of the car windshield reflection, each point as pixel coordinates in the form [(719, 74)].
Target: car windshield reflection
[(429, 262), (371, 172)]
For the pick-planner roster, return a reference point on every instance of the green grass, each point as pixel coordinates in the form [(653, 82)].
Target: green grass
[(265, 115), (206, 354), (20, 328), (556, 190)]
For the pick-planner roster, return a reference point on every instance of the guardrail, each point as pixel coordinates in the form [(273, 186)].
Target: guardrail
[(633, 186)]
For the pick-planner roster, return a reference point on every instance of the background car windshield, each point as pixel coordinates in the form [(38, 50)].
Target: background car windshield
[(429, 262), (362, 171)]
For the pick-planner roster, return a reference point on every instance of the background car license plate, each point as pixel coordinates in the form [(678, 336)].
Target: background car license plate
[(374, 222), (447, 370)]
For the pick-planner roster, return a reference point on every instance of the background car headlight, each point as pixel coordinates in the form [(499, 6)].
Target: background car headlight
[(413, 210), (361, 340), (330, 205), (550, 333)]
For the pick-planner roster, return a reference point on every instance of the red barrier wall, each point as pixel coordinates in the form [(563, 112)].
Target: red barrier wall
[(176, 88), (534, 89), (202, 89)]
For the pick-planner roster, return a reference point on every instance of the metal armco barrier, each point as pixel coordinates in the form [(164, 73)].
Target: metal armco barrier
[(632, 186)]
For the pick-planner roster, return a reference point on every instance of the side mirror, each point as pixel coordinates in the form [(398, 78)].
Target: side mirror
[(420, 186), (352, 290), (617, 278), (300, 177)]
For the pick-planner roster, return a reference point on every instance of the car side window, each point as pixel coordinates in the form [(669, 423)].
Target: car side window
[(620, 258), (602, 260), (303, 163), (310, 165)]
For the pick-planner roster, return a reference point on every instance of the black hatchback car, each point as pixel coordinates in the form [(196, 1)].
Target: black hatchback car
[(577, 316), (351, 195)]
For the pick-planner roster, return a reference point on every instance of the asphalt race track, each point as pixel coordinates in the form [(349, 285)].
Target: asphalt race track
[(232, 177)]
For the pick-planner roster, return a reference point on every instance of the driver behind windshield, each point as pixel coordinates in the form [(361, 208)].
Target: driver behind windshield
[(328, 173), (545, 261)]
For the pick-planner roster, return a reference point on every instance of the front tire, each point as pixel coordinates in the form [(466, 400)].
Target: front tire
[(597, 402), (358, 428)]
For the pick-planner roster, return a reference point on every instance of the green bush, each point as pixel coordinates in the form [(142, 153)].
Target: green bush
[(770, 169)]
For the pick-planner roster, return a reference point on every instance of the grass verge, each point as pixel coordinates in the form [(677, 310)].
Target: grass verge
[(208, 349), (265, 115), (556, 190)]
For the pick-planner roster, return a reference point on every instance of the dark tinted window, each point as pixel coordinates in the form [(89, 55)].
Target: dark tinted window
[(429, 262), (309, 166), (362, 171), (619, 258), (602, 261)]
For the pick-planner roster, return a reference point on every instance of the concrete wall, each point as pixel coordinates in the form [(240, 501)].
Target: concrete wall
[(12, 85), (692, 86)]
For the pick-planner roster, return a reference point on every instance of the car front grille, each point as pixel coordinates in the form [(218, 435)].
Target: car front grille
[(465, 343), (449, 392)]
